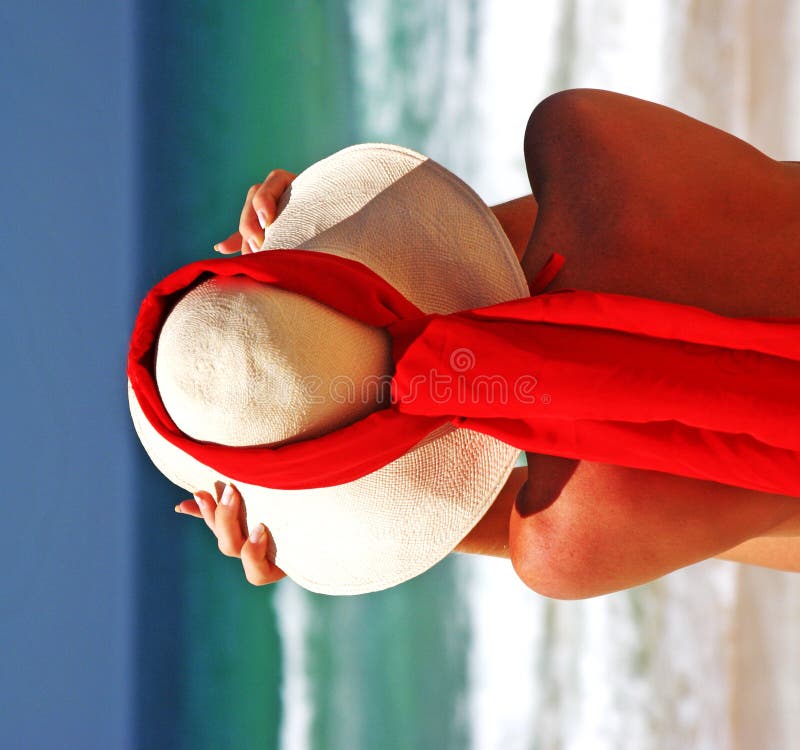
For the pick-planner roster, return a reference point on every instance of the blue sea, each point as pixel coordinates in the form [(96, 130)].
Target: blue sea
[(464, 656)]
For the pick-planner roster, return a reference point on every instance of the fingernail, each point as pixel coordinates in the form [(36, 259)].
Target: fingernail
[(227, 495), (254, 246), (201, 503), (178, 509), (262, 218), (216, 247), (257, 534)]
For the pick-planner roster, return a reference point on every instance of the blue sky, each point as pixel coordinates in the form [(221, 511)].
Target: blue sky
[(68, 227)]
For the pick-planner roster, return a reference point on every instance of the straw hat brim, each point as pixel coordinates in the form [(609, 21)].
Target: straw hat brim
[(428, 234)]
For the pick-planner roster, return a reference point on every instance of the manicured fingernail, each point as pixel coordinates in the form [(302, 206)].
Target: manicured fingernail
[(257, 534), (178, 509), (201, 503), (227, 495), (262, 218), (216, 247), (254, 246)]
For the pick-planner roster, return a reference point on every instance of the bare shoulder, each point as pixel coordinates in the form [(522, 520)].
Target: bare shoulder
[(605, 154), (647, 201), (612, 527), (591, 116)]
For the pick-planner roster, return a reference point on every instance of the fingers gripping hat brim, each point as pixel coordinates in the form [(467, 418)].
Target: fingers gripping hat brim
[(432, 238)]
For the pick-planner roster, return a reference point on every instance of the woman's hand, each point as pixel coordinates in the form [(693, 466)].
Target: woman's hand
[(258, 213), (226, 521)]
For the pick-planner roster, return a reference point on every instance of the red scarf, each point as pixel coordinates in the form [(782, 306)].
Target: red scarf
[(579, 374)]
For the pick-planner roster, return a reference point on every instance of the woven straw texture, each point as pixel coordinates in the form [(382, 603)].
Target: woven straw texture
[(430, 236)]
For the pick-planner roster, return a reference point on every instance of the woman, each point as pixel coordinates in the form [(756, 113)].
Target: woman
[(645, 201)]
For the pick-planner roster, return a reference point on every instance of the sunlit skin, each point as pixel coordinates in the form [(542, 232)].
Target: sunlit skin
[(646, 201)]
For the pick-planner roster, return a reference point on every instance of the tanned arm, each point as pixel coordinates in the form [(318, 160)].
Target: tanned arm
[(777, 552), (517, 218), (605, 554)]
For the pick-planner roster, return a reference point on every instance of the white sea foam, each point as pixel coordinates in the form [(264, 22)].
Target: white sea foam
[(292, 610), (508, 628)]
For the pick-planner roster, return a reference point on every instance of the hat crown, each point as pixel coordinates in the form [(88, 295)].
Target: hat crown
[(240, 363)]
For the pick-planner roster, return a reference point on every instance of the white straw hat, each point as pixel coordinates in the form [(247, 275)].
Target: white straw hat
[(241, 363)]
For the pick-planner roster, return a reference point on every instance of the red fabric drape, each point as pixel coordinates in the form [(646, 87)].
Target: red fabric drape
[(580, 374)]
